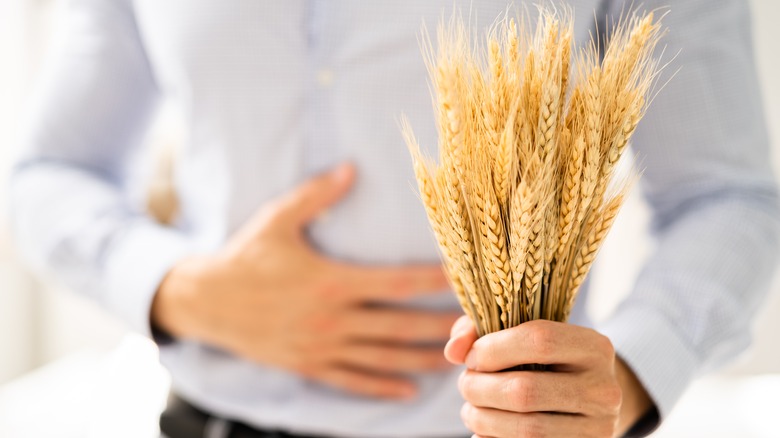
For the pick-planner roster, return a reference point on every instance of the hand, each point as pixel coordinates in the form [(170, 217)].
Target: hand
[(581, 395), (269, 297)]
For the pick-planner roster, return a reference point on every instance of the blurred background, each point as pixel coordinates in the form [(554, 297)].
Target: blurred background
[(66, 368)]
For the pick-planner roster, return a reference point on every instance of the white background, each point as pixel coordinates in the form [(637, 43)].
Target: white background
[(39, 324)]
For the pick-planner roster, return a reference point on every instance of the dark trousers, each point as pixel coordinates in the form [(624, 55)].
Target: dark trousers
[(183, 420)]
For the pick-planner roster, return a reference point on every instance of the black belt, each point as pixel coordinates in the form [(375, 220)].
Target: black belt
[(183, 420)]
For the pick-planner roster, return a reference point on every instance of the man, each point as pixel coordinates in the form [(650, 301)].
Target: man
[(276, 319)]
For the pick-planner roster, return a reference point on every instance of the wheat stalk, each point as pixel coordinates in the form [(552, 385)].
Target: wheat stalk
[(531, 134)]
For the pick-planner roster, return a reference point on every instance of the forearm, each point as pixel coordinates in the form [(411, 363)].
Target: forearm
[(76, 227), (71, 213), (692, 305)]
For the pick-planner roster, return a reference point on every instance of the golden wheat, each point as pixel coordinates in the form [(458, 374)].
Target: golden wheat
[(530, 135)]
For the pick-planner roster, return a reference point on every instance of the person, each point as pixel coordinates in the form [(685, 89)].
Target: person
[(299, 292)]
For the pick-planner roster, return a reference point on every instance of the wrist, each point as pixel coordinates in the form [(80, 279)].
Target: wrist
[(174, 309), (636, 401)]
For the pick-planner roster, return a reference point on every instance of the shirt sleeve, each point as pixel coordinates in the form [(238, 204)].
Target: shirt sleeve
[(69, 204), (708, 179)]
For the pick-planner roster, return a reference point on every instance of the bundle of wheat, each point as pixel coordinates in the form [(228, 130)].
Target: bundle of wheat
[(525, 188)]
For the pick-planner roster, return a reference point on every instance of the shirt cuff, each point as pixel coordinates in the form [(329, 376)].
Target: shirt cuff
[(140, 258), (649, 344)]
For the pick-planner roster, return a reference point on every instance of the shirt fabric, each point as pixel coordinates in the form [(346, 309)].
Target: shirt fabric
[(274, 92)]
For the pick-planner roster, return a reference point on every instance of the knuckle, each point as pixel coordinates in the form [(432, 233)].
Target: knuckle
[(522, 393), (472, 418), (608, 397), (604, 347), (542, 340), (466, 385), (613, 396)]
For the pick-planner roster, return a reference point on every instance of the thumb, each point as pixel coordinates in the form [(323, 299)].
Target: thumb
[(462, 337), (316, 195)]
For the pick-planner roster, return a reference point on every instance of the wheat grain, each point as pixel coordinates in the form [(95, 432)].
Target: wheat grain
[(570, 194), (594, 237), (525, 188), (519, 234)]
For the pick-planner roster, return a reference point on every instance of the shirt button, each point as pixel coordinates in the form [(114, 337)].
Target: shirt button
[(325, 77)]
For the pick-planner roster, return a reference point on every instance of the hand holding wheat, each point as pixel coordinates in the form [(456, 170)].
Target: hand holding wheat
[(522, 197), (525, 189)]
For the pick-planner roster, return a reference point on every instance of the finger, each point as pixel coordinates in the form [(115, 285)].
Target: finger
[(462, 326), (313, 197), (397, 325), (540, 342), (390, 359), (530, 391), (462, 336), (394, 283), (361, 383), (496, 423)]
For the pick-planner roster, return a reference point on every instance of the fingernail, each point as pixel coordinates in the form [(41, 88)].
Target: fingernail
[(471, 360)]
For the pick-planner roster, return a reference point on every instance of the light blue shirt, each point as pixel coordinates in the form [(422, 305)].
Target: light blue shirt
[(273, 92)]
